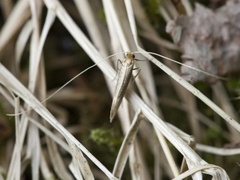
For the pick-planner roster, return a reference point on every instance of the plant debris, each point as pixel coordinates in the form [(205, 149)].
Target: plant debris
[(210, 40)]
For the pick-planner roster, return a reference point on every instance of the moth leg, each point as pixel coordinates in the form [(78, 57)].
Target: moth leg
[(138, 69), (119, 61), (134, 77)]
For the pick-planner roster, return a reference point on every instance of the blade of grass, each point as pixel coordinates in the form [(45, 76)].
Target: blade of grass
[(16, 19), (22, 40), (126, 146), (206, 167), (218, 151), (79, 164), (194, 91), (7, 79)]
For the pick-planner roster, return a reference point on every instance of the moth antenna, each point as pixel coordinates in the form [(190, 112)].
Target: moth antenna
[(68, 82), (190, 67)]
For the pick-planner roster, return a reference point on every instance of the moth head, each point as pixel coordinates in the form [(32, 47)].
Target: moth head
[(129, 55)]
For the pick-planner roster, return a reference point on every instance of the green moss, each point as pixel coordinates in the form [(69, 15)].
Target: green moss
[(104, 137)]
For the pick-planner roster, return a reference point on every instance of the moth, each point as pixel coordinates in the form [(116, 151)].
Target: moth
[(124, 76)]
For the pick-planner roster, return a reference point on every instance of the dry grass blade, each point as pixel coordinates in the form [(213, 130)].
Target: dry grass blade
[(15, 21), (206, 167), (34, 121), (126, 146), (166, 150), (34, 149), (22, 40), (138, 166), (90, 21), (195, 91), (226, 105), (79, 165), (47, 174), (17, 170), (9, 81), (55, 136), (218, 151), (22, 128), (78, 35), (118, 25), (39, 47), (187, 6), (56, 160)]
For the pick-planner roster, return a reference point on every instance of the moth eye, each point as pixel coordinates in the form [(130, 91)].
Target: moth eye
[(133, 55)]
